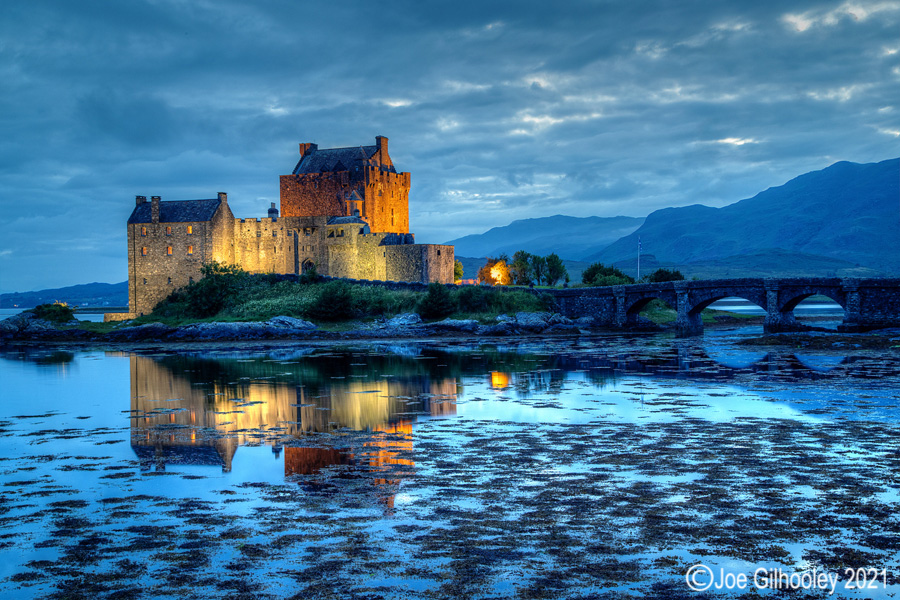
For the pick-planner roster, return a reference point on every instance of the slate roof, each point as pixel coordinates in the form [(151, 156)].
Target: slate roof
[(335, 159), (176, 211), (345, 221)]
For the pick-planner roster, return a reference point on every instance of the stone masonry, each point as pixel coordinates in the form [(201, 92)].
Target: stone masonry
[(346, 211)]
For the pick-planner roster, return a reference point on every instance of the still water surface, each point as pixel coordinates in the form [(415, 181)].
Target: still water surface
[(544, 469)]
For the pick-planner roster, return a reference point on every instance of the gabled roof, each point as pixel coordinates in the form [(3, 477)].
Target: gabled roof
[(176, 211), (335, 159)]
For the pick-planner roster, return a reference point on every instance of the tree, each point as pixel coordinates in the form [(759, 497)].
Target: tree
[(661, 275), (495, 271), (556, 270), (457, 271), (599, 274), (220, 284), (539, 268), (437, 302), (520, 270)]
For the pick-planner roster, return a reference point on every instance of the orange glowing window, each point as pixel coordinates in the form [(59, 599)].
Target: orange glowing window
[(168, 250), (144, 251), (168, 231), (190, 230), (190, 249), (143, 231)]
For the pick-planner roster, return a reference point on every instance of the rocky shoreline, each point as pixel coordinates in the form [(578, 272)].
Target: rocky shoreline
[(25, 327)]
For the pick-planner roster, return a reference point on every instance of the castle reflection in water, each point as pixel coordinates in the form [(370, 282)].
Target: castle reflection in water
[(198, 410)]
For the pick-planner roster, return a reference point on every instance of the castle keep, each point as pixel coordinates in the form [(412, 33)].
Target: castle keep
[(343, 210)]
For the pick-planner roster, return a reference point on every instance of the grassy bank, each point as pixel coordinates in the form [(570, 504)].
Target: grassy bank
[(237, 296)]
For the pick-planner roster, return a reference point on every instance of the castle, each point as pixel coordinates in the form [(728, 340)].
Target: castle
[(344, 211)]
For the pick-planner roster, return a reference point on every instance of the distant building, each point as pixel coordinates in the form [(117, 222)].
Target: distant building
[(344, 210)]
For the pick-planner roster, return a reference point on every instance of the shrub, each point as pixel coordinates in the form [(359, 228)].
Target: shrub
[(661, 275), (58, 312), (334, 303), (437, 302), (473, 299), (221, 285), (599, 274)]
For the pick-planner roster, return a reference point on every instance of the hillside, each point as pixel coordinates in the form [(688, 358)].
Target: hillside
[(848, 212), (569, 237), (85, 294)]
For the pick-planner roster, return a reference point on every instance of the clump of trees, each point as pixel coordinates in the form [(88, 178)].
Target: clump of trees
[(495, 271), (661, 275), (599, 274), (457, 271), (58, 312), (523, 269)]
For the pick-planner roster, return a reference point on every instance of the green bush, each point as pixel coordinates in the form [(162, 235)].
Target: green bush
[(661, 275), (334, 302), (437, 302), (57, 312), (599, 274), (474, 299)]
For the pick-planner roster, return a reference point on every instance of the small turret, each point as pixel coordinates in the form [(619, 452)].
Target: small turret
[(223, 197), (138, 200), (154, 209), (273, 212)]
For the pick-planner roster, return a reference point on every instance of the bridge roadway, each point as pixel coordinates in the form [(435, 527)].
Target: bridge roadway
[(867, 303)]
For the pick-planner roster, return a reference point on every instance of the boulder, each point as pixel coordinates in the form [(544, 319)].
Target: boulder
[(533, 322), (465, 325), (150, 331), (404, 320), (291, 323)]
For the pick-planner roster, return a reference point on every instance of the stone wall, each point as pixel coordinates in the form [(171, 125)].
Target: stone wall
[(385, 196)]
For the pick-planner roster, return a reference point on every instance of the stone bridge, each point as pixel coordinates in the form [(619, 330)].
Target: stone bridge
[(867, 303)]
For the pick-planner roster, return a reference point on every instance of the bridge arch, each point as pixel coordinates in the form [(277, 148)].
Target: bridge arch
[(638, 302)]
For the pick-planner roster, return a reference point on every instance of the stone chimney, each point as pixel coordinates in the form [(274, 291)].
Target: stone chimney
[(223, 197), (273, 212), (307, 149), (138, 200), (381, 144), (154, 209)]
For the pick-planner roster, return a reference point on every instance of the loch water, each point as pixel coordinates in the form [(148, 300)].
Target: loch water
[(593, 467)]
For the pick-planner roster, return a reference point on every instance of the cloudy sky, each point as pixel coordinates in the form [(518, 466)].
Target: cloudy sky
[(500, 110)]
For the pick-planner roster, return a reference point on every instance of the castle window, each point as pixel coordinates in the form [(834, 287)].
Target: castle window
[(190, 249), (190, 230), (143, 231), (274, 234), (190, 280), (259, 234), (144, 253), (145, 281), (340, 233), (170, 281), (439, 252), (168, 231), (168, 250)]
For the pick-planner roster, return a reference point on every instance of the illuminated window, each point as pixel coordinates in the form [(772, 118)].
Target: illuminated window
[(168, 250), (190, 230), (190, 249), (144, 252), (143, 231), (168, 231)]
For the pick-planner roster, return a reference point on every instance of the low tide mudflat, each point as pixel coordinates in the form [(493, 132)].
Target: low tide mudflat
[(602, 467)]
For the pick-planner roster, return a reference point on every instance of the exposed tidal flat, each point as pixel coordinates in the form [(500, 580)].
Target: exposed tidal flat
[(598, 466)]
